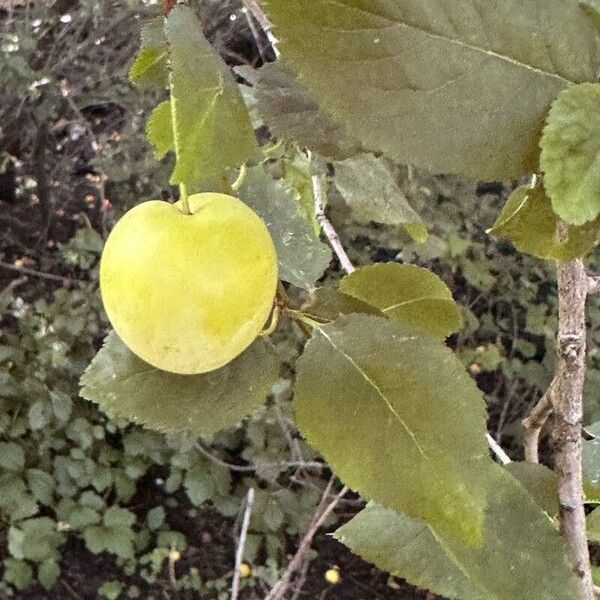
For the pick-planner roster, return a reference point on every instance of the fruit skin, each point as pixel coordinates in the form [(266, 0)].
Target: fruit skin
[(188, 293)]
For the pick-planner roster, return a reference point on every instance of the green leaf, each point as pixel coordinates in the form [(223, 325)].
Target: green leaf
[(592, 9), (18, 573), (114, 535), (293, 114), (528, 221), (408, 294), (41, 485), (398, 419), (593, 526), (155, 517), (570, 156), (48, 573), (159, 129), (150, 66), (111, 590), (302, 257), (12, 457), (212, 129), (128, 388), (35, 539), (328, 304), (372, 194), (540, 482), (452, 86), (519, 546)]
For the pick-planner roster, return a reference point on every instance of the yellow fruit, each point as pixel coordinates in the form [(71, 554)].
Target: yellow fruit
[(188, 293), (245, 570), (332, 576)]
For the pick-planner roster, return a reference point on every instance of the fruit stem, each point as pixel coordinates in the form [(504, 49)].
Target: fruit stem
[(184, 199), (235, 186)]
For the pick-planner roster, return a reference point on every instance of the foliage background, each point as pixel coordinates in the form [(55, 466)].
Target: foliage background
[(90, 504)]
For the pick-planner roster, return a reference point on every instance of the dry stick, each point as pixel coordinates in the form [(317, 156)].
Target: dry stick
[(535, 421), (497, 450), (257, 12), (40, 274), (280, 587), (235, 586), (327, 227), (568, 414)]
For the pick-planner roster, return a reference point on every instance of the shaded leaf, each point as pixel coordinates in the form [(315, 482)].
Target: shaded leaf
[(446, 86), (592, 8), (397, 417), (126, 387), (519, 544), (408, 294), (292, 113), (159, 129), (328, 304), (150, 66), (528, 221), (570, 156), (539, 481), (48, 573), (302, 257), (593, 526), (212, 129), (372, 194)]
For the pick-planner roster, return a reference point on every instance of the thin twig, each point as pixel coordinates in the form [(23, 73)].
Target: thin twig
[(250, 468), (257, 12), (250, 19), (327, 227), (535, 421), (235, 586), (319, 518), (49, 276), (568, 415), (497, 450)]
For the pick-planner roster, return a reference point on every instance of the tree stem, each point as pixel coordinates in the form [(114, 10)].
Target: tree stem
[(568, 414)]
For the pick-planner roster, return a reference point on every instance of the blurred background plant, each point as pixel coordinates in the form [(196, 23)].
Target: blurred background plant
[(96, 508)]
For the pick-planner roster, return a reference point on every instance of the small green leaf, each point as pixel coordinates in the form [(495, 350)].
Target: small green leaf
[(114, 535), (159, 129), (408, 294), (519, 545), (373, 194), (35, 539), (155, 517), (12, 456), (150, 66), (18, 573), (302, 257), (529, 222), (41, 485), (397, 417), (111, 590), (48, 573), (570, 156), (292, 113), (128, 388), (212, 129)]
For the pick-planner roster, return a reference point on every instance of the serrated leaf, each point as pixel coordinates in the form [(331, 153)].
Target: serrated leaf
[(12, 456), (150, 66), (398, 419), (372, 194), (292, 113), (41, 485), (328, 304), (159, 129), (35, 539), (452, 87), (302, 257), (539, 481), (18, 573), (128, 388), (48, 573), (519, 544), (570, 156), (408, 294), (528, 221), (212, 129)]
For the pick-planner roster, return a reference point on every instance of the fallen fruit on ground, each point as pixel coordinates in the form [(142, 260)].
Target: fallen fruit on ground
[(187, 293)]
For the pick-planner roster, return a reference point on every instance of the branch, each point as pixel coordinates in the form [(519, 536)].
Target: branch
[(534, 422), (593, 284), (253, 8), (327, 227), (497, 450), (278, 590), (568, 414), (235, 586), (49, 276)]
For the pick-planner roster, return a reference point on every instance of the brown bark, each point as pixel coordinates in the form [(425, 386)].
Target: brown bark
[(534, 422), (568, 413)]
